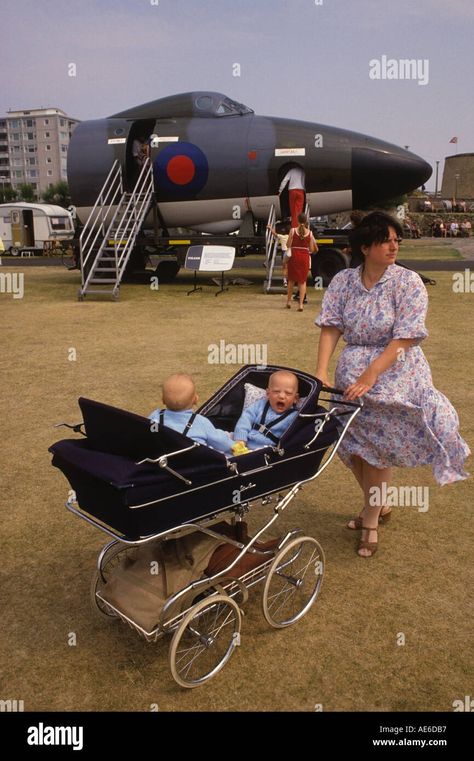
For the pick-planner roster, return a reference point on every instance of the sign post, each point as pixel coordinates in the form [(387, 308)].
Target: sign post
[(208, 258)]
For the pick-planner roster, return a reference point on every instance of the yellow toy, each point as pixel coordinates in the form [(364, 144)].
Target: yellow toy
[(239, 448)]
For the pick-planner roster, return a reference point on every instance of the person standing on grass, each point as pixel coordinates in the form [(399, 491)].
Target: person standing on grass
[(281, 233), (302, 244), (379, 308)]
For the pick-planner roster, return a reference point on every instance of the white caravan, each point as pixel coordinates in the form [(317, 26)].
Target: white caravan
[(28, 226)]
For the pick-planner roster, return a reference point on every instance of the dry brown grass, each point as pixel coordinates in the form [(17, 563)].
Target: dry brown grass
[(344, 653)]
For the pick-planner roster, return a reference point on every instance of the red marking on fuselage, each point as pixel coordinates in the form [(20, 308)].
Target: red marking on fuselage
[(180, 170)]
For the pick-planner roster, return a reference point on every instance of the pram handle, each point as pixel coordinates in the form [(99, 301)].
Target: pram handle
[(76, 427), (332, 390), (338, 392)]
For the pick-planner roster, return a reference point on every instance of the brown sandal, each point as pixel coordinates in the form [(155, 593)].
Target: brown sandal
[(366, 545), (383, 518)]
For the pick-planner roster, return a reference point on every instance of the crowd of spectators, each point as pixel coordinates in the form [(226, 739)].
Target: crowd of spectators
[(451, 229)]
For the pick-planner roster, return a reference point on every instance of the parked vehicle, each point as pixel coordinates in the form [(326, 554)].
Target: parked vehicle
[(29, 226)]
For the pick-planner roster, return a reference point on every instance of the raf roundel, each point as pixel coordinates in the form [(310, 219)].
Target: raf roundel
[(181, 170)]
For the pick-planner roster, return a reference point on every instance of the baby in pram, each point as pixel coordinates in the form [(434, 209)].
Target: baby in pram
[(264, 422), (261, 424), (179, 397)]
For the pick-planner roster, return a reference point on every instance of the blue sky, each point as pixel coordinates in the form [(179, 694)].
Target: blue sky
[(304, 59)]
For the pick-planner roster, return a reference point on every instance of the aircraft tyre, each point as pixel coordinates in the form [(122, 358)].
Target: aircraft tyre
[(166, 271), (330, 261)]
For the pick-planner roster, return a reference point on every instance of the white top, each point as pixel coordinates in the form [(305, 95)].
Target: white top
[(295, 178), (46, 208)]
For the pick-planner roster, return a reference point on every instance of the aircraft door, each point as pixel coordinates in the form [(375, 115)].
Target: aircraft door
[(139, 140)]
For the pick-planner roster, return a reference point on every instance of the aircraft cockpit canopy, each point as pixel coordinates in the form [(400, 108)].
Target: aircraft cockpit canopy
[(203, 104), (215, 105)]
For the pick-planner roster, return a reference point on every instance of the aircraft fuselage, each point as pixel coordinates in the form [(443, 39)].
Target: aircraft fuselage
[(213, 160)]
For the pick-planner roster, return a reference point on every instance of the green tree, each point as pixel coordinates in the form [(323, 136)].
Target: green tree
[(62, 195), (48, 195), (58, 194), (26, 192), (8, 194)]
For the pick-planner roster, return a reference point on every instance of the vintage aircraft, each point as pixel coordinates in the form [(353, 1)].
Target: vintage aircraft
[(214, 159)]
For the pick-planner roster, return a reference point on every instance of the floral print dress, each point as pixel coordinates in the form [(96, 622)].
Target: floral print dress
[(405, 421)]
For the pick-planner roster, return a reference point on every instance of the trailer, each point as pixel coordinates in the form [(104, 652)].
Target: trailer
[(33, 227)]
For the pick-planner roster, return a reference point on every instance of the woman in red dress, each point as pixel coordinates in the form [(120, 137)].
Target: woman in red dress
[(302, 243)]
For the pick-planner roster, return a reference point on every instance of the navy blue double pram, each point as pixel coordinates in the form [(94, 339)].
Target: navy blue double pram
[(141, 483)]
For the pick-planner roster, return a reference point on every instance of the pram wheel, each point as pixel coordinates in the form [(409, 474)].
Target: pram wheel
[(112, 558), (204, 640), (293, 581)]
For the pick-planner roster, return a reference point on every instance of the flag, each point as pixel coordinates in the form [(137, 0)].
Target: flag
[(453, 140)]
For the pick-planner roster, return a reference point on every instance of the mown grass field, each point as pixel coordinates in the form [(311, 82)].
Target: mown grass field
[(429, 248), (393, 633)]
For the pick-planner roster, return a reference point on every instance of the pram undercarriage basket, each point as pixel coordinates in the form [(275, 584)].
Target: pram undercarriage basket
[(150, 488)]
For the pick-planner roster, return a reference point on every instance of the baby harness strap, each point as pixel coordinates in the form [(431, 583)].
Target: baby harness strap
[(186, 427), (265, 429)]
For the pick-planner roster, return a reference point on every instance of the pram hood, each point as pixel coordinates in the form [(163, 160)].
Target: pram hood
[(225, 406)]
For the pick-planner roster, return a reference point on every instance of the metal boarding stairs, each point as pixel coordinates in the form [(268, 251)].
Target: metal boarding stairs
[(109, 234), (271, 247)]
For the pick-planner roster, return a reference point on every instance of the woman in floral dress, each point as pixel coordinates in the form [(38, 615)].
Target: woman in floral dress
[(379, 308)]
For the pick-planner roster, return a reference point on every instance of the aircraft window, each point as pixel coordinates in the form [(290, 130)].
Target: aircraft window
[(236, 108), (226, 107), (204, 103), (223, 110)]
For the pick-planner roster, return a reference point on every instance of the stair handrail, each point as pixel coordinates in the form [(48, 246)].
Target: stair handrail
[(133, 216), (129, 213), (268, 234), (271, 245), (124, 223), (97, 220)]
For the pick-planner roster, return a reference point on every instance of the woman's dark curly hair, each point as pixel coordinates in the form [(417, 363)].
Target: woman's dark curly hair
[(372, 229)]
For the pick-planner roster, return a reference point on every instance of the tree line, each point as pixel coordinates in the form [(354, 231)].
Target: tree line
[(57, 194)]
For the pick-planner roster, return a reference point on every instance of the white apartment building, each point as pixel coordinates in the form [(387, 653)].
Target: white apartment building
[(33, 147)]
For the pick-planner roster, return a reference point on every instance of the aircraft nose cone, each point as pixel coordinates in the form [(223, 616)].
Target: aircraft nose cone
[(378, 175)]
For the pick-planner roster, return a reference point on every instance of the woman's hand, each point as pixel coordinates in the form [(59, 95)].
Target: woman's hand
[(364, 383)]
